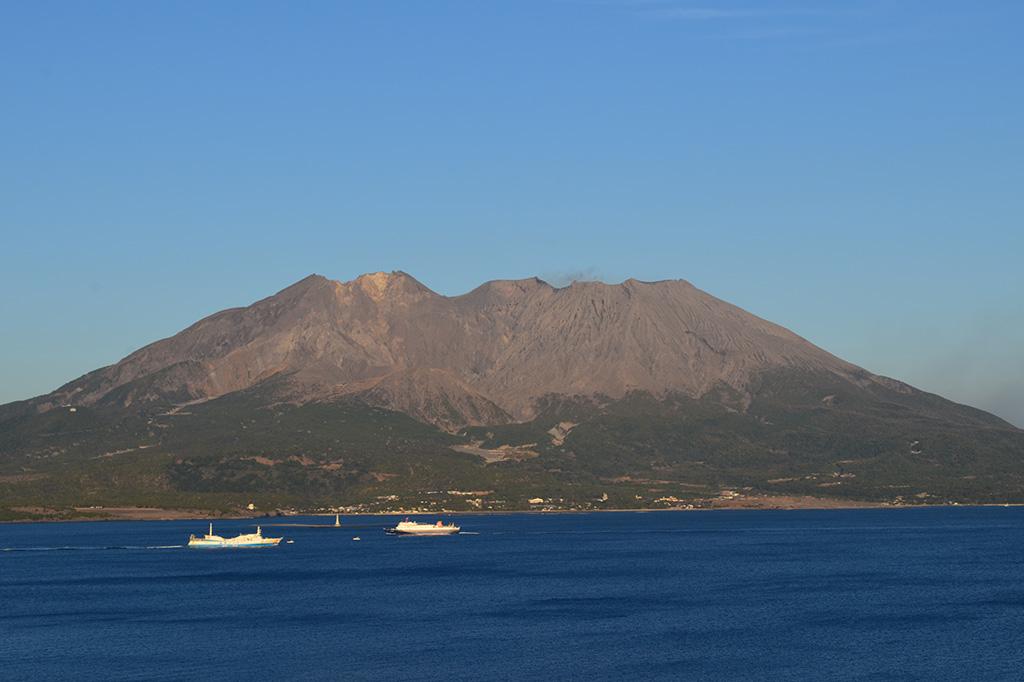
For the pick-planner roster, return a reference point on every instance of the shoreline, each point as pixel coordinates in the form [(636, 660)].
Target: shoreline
[(761, 503)]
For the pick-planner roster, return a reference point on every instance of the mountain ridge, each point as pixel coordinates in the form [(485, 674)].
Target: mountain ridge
[(587, 337)]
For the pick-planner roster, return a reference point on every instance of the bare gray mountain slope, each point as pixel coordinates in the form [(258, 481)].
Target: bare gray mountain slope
[(484, 357)]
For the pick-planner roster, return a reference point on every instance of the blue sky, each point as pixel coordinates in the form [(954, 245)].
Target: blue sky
[(852, 170)]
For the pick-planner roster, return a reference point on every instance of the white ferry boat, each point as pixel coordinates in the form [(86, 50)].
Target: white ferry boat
[(408, 527), (211, 541)]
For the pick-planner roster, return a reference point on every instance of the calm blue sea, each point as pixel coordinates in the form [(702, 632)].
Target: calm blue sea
[(852, 594)]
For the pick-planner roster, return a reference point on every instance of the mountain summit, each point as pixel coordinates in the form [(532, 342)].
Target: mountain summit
[(490, 354), (638, 381)]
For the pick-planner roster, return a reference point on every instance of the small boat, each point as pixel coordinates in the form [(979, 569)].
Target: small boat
[(408, 527), (211, 541)]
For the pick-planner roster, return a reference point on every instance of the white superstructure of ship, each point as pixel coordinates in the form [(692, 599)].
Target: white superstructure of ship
[(211, 541)]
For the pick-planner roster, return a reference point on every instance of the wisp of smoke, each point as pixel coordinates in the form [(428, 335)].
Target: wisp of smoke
[(566, 277)]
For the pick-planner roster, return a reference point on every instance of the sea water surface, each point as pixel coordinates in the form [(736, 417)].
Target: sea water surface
[(841, 594)]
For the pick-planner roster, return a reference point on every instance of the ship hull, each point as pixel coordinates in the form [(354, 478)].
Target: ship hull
[(240, 545)]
